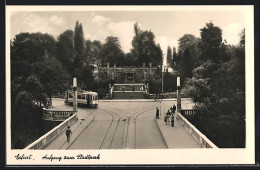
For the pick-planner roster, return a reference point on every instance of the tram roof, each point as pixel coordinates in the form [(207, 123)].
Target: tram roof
[(90, 92), (84, 92)]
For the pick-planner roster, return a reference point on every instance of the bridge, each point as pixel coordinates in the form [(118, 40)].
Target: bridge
[(124, 124)]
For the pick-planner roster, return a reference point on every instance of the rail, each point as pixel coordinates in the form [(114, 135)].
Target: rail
[(56, 115), (188, 112), (201, 138), (111, 92), (48, 137)]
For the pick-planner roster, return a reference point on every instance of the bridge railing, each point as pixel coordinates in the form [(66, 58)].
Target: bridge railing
[(52, 134), (201, 138), (56, 115), (188, 112), (112, 89)]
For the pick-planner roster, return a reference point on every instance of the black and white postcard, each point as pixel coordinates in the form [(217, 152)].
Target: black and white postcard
[(130, 85)]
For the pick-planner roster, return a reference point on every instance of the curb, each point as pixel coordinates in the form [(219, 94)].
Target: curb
[(137, 100), (161, 133)]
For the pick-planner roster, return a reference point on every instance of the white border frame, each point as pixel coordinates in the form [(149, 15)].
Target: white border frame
[(140, 156)]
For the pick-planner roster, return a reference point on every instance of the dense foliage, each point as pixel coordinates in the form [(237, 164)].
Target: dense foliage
[(217, 87), (144, 48)]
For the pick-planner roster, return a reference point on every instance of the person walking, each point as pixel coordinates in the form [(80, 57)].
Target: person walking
[(174, 109), (172, 120), (157, 113), (68, 133), (165, 119)]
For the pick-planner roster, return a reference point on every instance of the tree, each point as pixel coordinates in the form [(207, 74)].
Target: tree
[(79, 46), (65, 50), (187, 64), (242, 38), (190, 42), (52, 76), (144, 47), (170, 81), (211, 40), (187, 57), (130, 60), (93, 52), (86, 79), (28, 48), (174, 56), (112, 52), (35, 74), (169, 56), (217, 88)]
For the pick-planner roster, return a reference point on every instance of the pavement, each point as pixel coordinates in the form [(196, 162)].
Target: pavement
[(139, 100), (174, 137), (177, 136), (60, 142)]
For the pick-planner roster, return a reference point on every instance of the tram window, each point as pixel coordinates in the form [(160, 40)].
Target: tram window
[(79, 96), (70, 96)]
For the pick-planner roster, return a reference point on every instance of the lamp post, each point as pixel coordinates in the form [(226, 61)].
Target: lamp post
[(178, 94), (162, 77), (75, 94)]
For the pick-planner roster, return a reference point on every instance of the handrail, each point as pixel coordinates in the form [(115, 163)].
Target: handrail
[(188, 112), (112, 89), (48, 137), (200, 137), (56, 115)]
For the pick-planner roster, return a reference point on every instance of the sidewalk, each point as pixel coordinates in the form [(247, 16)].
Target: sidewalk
[(60, 142), (177, 136)]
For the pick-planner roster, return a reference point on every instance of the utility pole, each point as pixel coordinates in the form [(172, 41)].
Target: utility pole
[(162, 78), (178, 94), (75, 94)]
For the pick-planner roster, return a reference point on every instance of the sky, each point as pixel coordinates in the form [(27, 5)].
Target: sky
[(168, 26)]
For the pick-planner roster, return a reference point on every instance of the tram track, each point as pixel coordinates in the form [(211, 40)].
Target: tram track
[(135, 116), (119, 116), (113, 118), (112, 135), (105, 111), (90, 114)]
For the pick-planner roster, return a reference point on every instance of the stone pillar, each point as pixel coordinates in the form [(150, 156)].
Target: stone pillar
[(109, 92), (108, 75), (114, 72), (144, 71), (150, 70), (74, 94), (178, 94)]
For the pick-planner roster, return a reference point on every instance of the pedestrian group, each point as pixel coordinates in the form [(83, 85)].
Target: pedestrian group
[(169, 115)]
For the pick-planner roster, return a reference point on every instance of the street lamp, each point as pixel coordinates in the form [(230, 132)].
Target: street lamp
[(75, 94), (162, 77), (178, 94)]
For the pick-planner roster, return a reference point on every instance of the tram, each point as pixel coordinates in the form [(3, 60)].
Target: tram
[(84, 98)]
